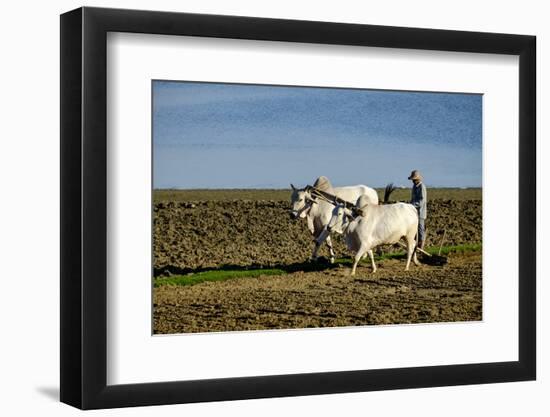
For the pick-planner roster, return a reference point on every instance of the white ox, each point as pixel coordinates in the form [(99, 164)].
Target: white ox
[(377, 225), (318, 212)]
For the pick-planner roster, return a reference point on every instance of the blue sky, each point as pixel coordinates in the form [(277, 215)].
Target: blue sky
[(214, 135)]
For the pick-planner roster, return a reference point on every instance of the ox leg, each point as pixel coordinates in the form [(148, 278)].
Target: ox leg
[(360, 253), (331, 249), (315, 250), (415, 259), (411, 243), (371, 254), (356, 261)]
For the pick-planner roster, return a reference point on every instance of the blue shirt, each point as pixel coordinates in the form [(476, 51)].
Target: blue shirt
[(419, 199)]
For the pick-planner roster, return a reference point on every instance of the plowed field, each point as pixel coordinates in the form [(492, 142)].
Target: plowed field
[(218, 232)]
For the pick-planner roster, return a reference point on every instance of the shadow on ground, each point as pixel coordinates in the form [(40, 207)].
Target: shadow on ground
[(322, 264), (50, 392)]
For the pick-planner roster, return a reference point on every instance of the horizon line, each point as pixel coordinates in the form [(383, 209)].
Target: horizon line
[(276, 188)]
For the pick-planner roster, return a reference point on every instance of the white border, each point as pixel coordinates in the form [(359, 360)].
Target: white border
[(134, 356)]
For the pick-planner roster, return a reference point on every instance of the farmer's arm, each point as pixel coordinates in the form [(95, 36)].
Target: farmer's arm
[(424, 194), (423, 202)]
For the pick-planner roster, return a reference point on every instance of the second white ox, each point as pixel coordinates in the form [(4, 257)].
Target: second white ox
[(319, 212), (377, 225)]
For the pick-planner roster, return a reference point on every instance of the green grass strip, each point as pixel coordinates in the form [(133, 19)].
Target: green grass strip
[(223, 275), (215, 275)]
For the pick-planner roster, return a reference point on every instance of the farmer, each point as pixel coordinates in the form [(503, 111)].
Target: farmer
[(419, 199)]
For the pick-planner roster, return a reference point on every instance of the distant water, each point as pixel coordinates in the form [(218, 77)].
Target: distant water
[(235, 136)]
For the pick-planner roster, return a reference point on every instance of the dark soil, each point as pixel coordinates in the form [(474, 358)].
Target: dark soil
[(208, 234)]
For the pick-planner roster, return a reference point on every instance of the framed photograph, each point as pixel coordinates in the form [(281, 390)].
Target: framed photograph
[(257, 208)]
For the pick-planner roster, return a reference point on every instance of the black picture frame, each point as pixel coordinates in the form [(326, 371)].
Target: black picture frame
[(84, 207)]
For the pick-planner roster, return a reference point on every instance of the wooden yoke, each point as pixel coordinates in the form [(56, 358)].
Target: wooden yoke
[(331, 198)]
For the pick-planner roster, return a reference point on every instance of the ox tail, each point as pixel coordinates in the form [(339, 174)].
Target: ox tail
[(390, 188)]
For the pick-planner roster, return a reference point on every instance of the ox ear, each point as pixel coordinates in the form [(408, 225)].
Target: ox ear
[(293, 187)]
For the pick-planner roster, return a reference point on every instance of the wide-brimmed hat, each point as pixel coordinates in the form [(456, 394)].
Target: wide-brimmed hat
[(415, 175)]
